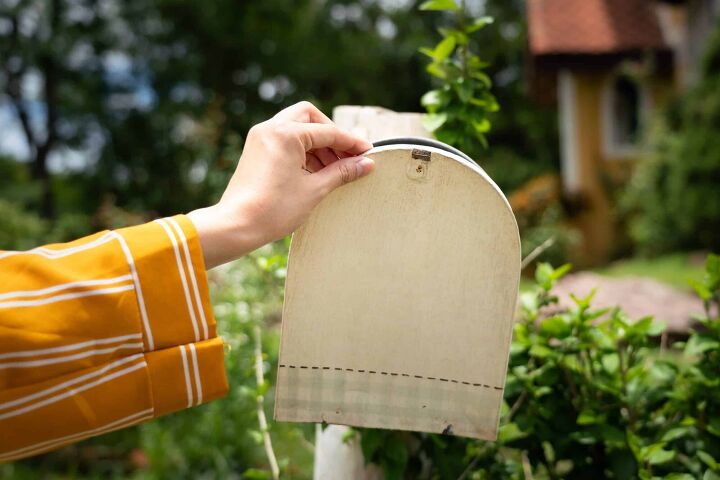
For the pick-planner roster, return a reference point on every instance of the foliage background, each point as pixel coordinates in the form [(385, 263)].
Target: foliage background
[(114, 112)]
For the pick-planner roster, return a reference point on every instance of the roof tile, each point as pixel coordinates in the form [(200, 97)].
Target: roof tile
[(592, 26)]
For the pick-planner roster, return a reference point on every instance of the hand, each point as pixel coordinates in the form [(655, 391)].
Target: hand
[(288, 164)]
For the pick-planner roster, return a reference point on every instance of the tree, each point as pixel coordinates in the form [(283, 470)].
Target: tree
[(159, 94), (37, 41)]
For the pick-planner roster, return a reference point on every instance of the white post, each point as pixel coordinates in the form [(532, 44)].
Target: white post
[(338, 455)]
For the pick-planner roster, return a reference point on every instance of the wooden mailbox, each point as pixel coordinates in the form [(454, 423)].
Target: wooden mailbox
[(400, 298)]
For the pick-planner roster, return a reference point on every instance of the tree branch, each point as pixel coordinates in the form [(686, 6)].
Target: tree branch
[(12, 88), (537, 251)]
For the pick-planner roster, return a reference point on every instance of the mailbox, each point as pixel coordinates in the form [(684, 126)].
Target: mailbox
[(400, 298)]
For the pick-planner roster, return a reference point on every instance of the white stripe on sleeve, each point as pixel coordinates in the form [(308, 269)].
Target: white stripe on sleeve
[(198, 385), (191, 270), (188, 387), (182, 277)]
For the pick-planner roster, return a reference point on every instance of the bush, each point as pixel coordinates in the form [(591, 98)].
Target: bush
[(675, 193), (19, 229)]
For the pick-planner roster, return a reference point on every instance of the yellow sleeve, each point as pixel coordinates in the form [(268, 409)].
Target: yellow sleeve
[(102, 333)]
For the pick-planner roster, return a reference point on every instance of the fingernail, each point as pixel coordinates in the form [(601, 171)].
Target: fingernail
[(364, 166)]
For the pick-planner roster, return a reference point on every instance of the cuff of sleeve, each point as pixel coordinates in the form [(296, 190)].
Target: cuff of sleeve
[(188, 375), (173, 296)]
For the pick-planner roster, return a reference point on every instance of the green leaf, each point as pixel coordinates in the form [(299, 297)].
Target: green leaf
[(349, 435), (584, 302), (713, 426), (587, 417), (698, 344), (509, 432), (712, 272), (433, 98), (707, 459), (256, 436), (427, 51), (710, 475), (556, 326), (701, 289), (674, 434), (546, 276), (656, 328), (540, 351), (483, 78), (612, 435), (436, 71), (444, 49), (479, 23), (549, 452), (464, 91), (439, 5), (461, 37), (610, 362), (560, 272), (659, 455), (433, 121), (256, 474), (481, 126)]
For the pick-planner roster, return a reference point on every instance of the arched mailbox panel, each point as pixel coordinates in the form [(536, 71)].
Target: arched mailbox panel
[(400, 298)]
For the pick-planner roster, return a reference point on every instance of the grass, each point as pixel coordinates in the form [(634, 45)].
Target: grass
[(675, 269)]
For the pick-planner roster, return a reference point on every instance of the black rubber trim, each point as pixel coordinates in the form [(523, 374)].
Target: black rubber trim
[(425, 142)]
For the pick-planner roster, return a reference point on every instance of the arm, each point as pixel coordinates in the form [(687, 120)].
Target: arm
[(117, 328)]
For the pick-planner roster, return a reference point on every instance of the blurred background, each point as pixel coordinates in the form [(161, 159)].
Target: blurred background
[(601, 123)]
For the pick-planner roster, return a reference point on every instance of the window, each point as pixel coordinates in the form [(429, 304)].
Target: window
[(623, 107), (625, 112)]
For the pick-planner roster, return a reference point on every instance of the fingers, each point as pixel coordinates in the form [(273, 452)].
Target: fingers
[(341, 172), (316, 136), (312, 163), (326, 155), (304, 112)]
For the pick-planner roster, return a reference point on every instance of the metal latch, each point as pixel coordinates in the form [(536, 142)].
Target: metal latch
[(419, 164), (421, 154)]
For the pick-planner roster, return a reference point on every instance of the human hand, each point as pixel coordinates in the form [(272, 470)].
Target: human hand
[(288, 165)]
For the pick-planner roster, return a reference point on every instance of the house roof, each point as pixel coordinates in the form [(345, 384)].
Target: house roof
[(573, 27)]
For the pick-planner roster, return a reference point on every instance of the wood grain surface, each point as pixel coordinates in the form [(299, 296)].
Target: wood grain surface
[(399, 300)]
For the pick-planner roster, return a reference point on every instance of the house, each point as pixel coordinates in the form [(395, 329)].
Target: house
[(608, 65)]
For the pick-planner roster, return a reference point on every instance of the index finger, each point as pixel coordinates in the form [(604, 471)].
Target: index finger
[(320, 135), (303, 112)]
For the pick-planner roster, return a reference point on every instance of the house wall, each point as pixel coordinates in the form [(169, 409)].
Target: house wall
[(594, 219), (598, 175)]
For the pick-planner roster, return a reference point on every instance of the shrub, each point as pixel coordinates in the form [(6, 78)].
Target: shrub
[(675, 193)]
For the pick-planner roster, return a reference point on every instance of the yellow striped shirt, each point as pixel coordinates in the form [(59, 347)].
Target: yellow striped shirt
[(102, 333)]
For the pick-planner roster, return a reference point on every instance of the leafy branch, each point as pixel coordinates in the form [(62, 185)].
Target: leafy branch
[(459, 109)]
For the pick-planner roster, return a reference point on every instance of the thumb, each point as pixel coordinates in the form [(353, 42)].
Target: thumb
[(343, 171)]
